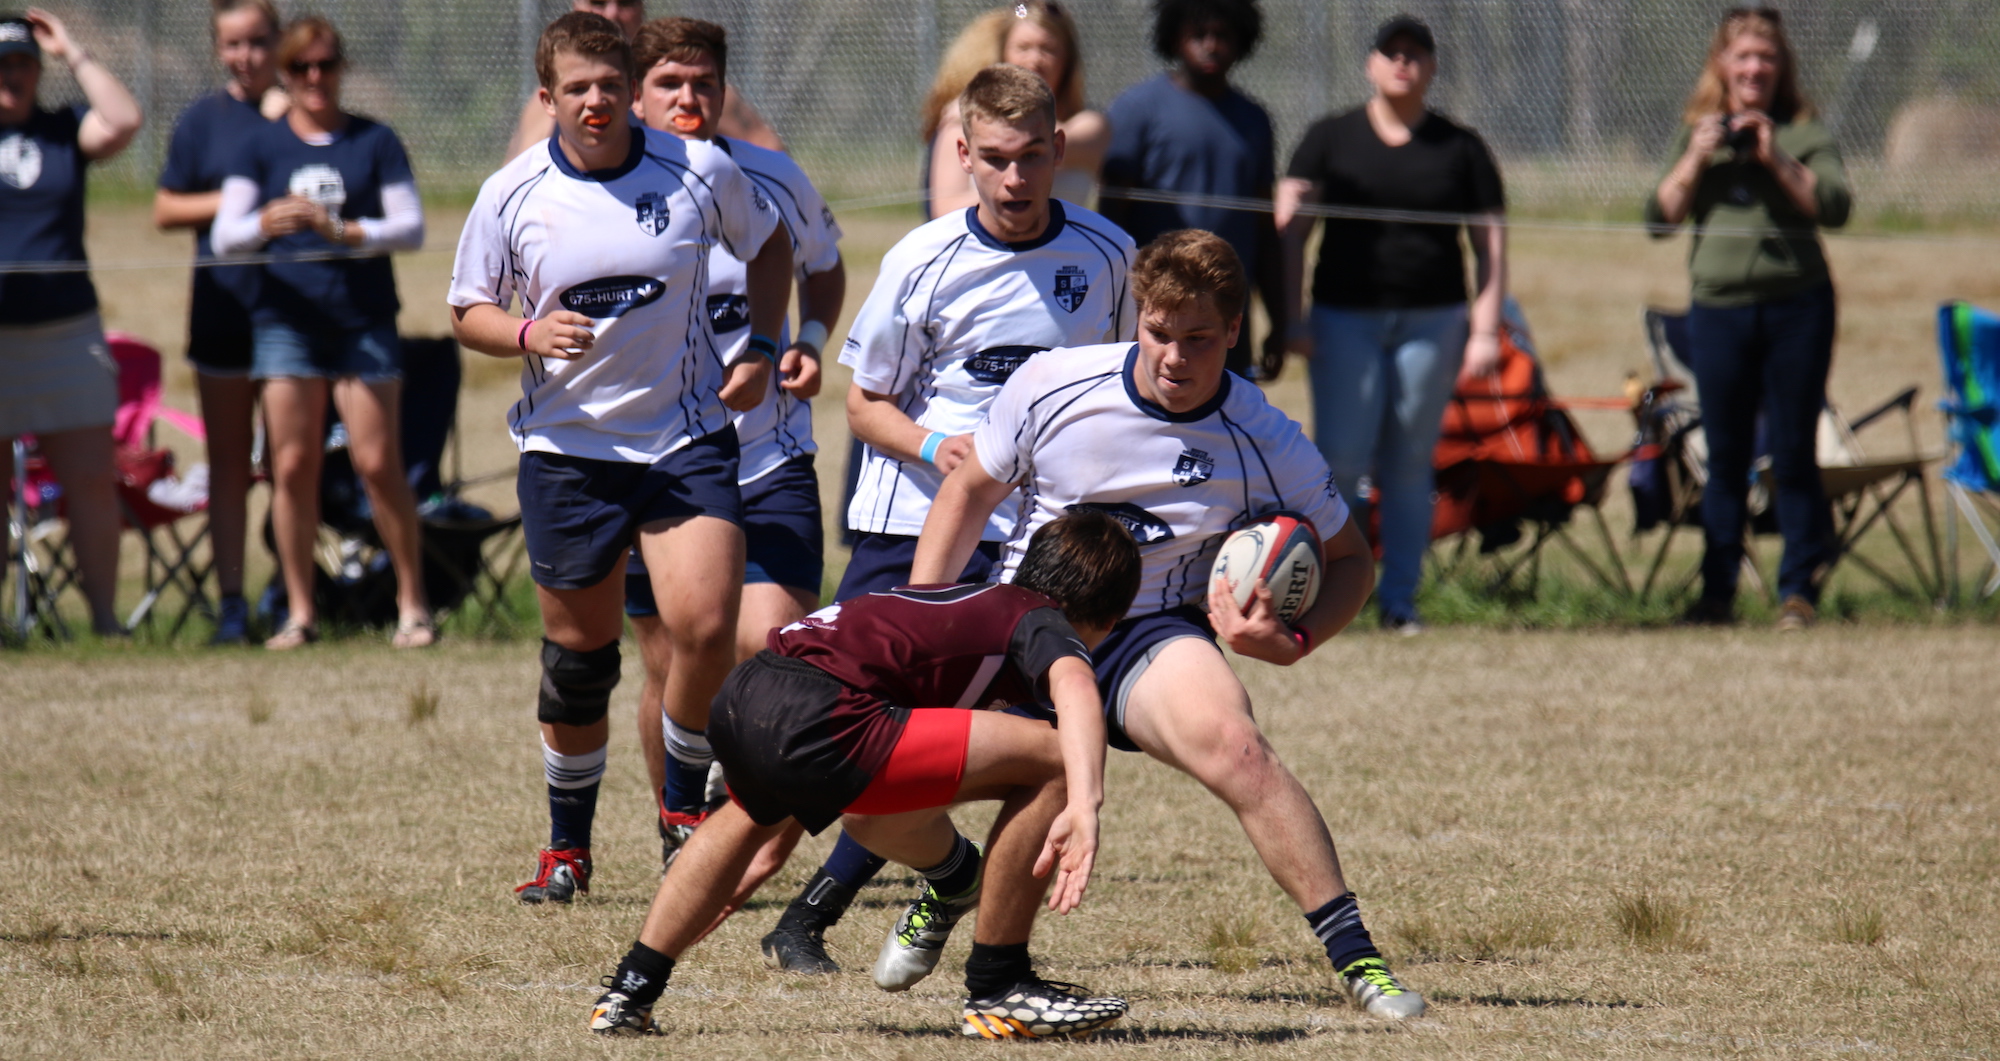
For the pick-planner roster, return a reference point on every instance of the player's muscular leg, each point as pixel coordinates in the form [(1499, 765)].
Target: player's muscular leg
[(657, 653), (1189, 711), (582, 620), (766, 606), (697, 569), (698, 885)]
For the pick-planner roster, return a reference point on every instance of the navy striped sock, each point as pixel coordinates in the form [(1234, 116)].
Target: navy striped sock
[(573, 782), (958, 873), (1338, 926)]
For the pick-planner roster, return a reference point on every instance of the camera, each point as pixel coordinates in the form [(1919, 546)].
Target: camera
[(1741, 139)]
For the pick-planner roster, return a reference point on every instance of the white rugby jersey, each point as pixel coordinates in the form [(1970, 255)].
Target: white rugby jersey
[(629, 248), (953, 314), (780, 427), (1072, 429)]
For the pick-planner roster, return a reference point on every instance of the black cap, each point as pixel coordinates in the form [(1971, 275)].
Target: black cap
[(1406, 26), (17, 36)]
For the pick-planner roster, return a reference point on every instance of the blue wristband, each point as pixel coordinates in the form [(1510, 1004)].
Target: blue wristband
[(766, 346), (931, 444)]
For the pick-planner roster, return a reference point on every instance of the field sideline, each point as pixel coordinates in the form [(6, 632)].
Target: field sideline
[(1579, 845)]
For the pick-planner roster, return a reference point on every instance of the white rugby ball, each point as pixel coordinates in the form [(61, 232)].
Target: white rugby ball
[(1282, 548)]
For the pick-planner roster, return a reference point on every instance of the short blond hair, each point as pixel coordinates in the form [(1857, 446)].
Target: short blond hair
[(580, 33), (1181, 267), (1006, 93)]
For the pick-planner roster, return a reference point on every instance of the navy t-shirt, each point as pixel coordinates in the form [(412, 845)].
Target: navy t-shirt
[(1445, 168), (344, 294), (41, 217), (209, 136), (1166, 138)]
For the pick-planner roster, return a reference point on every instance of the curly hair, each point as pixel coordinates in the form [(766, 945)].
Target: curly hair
[(1241, 17), (1182, 267), (983, 42)]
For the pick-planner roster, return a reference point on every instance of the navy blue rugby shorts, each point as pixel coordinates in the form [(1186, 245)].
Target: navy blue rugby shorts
[(579, 516)]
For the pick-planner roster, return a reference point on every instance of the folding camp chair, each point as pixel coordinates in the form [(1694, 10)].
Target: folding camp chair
[(153, 503), (1969, 339), (1509, 455), (1861, 490), (469, 553)]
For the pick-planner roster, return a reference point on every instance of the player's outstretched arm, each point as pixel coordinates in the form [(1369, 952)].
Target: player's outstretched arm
[(820, 298), (1071, 849), (957, 518), (493, 331), (769, 282)]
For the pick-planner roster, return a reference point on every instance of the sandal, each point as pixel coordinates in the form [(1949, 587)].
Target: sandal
[(415, 633), (291, 636)]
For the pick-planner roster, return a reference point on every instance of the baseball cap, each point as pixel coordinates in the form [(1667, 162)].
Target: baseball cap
[(17, 35), (1406, 26)]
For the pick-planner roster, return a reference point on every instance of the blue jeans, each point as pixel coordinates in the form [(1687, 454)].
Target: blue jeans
[(1380, 381), (1772, 358)]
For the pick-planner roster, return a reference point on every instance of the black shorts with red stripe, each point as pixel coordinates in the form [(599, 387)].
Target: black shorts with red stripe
[(794, 742)]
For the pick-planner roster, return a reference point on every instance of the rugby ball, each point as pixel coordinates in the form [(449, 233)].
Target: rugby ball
[(1282, 548)]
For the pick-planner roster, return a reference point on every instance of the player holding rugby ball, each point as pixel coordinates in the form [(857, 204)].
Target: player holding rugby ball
[(1157, 434)]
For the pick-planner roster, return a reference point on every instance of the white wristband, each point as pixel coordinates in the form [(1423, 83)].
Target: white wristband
[(813, 334)]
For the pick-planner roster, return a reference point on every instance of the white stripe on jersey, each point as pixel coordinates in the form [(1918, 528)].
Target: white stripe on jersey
[(954, 313), (1072, 428), (629, 248), (779, 428)]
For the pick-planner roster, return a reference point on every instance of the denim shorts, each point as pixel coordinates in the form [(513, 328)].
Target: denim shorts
[(282, 351)]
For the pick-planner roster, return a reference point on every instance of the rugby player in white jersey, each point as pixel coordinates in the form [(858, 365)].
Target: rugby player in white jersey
[(682, 68), (1158, 434), (959, 305), (603, 235), (739, 119)]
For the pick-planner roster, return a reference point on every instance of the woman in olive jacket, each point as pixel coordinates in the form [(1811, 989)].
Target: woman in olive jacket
[(1759, 177)]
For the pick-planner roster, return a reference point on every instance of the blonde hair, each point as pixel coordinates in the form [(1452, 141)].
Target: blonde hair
[(1182, 267), (982, 43), (1006, 93), (1711, 92)]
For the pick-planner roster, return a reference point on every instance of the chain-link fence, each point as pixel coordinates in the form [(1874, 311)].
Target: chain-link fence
[(1577, 97)]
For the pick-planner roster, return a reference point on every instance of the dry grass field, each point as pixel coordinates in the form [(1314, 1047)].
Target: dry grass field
[(1671, 845), (1600, 843)]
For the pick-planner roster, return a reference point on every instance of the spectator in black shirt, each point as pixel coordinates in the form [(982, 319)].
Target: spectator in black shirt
[(1391, 329)]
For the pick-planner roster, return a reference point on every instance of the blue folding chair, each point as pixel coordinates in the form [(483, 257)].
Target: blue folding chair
[(1969, 339)]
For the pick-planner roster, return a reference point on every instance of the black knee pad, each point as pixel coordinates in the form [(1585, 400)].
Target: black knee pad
[(576, 686)]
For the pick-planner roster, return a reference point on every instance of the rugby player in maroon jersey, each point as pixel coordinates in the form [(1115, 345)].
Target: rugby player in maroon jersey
[(868, 713)]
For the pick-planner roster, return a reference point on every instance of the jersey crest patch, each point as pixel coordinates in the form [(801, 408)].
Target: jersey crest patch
[(728, 313), (653, 213), (996, 364), (1194, 467), (321, 184), (1072, 284), (1144, 527)]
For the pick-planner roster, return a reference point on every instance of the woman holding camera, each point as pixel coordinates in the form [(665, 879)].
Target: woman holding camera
[(1759, 177)]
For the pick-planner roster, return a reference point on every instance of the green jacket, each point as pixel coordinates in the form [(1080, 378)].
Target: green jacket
[(1733, 267)]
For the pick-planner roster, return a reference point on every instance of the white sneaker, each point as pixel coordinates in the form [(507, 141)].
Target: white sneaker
[(917, 942), (1375, 989)]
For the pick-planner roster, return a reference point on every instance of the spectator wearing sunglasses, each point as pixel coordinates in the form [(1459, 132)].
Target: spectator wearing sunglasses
[(206, 141), (1752, 163), (326, 194), (59, 382)]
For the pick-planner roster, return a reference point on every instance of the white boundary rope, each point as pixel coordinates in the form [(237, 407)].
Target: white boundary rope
[(1138, 195)]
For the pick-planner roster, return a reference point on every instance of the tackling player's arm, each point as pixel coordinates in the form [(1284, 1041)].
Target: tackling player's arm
[(768, 278), (1071, 847), (821, 295), (1346, 580), (956, 521), (485, 327)]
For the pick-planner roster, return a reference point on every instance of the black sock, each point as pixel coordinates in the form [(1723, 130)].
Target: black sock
[(820, 905), (958, 873), (995, 967), (1338, 925), (642, 975)]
